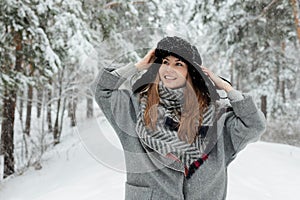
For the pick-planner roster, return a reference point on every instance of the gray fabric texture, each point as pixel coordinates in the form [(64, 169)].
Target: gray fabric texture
[(235, 95), (153, 176)]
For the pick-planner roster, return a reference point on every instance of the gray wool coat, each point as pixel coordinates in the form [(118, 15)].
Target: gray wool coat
[(152, 176)]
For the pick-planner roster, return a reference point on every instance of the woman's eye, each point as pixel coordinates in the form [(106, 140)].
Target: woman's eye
[(179, 64), (165, 62)]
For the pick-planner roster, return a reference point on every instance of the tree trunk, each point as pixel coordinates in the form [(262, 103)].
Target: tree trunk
[(277, 80), (29, 108), (39, 102), (1, 167), (29, 97), (56, 131), (296, 17), (62, 117), (263, 99), (232, 72), (7, 131), (21, 106), (238, 81), (56, 128), (70, 108), (282, 85), (49, 116), (90, 109), (73, 111), (282, 90), (8, 116)]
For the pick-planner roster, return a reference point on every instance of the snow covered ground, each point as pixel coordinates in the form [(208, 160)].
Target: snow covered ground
[(80, 168)]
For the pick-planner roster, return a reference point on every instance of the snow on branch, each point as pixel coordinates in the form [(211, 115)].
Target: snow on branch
[(116, 4)]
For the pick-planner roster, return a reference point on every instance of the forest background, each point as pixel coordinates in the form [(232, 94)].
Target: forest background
[(51, 50)]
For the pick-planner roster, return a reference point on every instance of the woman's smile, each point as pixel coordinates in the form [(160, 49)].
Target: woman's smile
[(169, 77)]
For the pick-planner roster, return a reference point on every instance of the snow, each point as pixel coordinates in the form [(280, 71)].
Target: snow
[(73, 170)]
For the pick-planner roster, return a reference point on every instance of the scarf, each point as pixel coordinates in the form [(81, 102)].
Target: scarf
[(164, 138)]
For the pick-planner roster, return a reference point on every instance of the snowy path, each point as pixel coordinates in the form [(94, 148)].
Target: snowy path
[(263, 171)]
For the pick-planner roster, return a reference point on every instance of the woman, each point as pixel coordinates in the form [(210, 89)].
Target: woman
[(177, 134)]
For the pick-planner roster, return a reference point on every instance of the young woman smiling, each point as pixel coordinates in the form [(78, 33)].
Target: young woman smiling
[(177, 134)]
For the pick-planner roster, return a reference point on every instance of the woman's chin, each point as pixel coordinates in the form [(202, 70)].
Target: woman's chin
[(172, 85)]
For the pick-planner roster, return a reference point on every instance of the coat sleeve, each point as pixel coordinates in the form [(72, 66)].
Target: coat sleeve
[(115, 100), (244, 125)]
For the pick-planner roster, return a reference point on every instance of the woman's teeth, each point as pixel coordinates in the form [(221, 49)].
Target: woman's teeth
[(170, 77)]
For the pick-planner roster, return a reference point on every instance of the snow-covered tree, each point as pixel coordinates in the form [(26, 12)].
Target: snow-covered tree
[(42, 44), (252, 38), (19, 25)]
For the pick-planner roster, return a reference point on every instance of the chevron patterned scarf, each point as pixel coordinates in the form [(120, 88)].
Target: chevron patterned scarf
[(164, 139)]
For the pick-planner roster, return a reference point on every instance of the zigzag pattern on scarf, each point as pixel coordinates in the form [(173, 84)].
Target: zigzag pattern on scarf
[(164, 140)]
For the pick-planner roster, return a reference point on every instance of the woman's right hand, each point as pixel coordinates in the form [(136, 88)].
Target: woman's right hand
[(146, 61)]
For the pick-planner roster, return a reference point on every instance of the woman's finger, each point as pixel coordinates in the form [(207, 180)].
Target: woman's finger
[(147, 60), (150, 56), (206, 71)]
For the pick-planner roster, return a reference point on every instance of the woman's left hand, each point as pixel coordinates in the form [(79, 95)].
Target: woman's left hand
[(219, 83)]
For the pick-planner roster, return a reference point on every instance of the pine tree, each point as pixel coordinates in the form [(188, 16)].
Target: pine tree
[(249, 36), (20, 25)]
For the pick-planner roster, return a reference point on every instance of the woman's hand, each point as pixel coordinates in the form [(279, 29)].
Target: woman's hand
[(219, 83), (146, 61)]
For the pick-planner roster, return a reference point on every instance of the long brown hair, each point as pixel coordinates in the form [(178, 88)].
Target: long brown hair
[(195, 104)]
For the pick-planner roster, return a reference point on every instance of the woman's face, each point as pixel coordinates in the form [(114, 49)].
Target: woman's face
[(173, 72)]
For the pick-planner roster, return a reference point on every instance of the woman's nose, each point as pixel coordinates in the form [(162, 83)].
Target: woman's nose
[(169, 67)]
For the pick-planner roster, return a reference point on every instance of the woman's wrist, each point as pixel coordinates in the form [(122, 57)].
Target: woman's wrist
[(227, 88), (138, 66)]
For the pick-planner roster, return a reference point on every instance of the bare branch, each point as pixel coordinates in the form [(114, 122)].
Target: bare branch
[(266, 9)]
